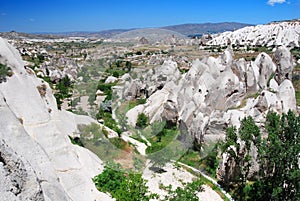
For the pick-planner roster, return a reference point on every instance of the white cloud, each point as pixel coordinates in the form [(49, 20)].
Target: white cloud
[(272, 2), (3, 14)]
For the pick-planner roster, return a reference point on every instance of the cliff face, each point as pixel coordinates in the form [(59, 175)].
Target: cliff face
[(37, 160)]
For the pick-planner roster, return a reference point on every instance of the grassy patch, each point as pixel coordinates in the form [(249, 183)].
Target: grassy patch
[(191, 158), (128, 105), (94, 138), (161, 140), (297, 93)]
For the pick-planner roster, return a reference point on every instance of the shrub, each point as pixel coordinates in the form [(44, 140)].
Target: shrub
[(142, 121), (123, 187), (116, 74)]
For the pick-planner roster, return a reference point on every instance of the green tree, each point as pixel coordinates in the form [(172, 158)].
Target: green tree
[(128, 66), (279, 159), (250, 136)]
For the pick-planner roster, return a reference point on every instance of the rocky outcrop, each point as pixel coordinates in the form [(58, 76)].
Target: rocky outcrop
[(284, 61), (49, 166), (151, 81), (273, 34), (217, 92), (18, 179)]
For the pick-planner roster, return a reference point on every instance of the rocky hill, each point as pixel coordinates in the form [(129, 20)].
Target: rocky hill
[(285, 33), (205, 28), (19, 35), (151, 35)]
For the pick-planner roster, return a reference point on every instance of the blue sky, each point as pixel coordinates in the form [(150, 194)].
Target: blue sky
[(96, 15)]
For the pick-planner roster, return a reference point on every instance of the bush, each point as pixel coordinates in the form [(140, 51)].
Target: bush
[(142, 121), (116, 74), (123, 187), (189, 192)]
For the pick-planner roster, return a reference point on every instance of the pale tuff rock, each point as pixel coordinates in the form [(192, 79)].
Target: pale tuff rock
[(274, 34), (204, 98), (38, 133), (18, 179), (133, 113), (110, 79), (266, 69), (284, 61), (27, 150), (286, 95)]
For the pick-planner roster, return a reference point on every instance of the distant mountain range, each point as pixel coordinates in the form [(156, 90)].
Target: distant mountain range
[(185, 29), (199, 29)]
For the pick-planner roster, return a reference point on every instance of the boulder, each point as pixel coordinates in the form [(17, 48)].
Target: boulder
[(110, 79)]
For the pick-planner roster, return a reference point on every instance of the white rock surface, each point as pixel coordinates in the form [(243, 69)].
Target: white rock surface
[(33, 127), (133, 113), (277, 33), (110, 79), (174, 176)]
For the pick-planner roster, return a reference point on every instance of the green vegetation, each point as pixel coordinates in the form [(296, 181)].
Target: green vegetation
[(132, 187), (4, 72), (124, 187), (76, 141), (63, 90), (191, 158), (119, 68), (297, 94), (165, 145), (296, 53), (211, 161), (95, 139), (135, 102), (142, 121), (105, 110), (106, 88), (260, 49), (188, 193), (296, 84), (161, 137), (278, 156), (105, 113)]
